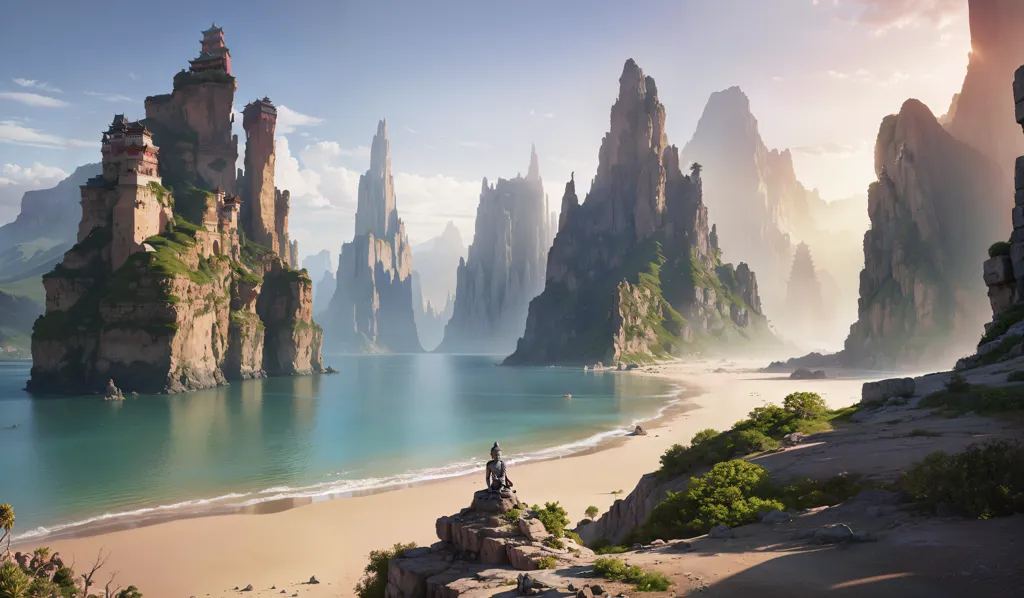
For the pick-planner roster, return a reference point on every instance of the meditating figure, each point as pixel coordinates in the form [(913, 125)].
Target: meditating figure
[(497, 480)]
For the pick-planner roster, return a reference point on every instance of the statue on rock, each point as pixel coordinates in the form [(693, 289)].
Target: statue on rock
[(499, 496)]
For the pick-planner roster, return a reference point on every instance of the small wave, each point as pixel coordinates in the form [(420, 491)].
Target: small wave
[(339, 488)]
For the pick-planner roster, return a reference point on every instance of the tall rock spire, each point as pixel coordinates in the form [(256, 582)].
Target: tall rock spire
[(372, 308), (505, 268), (603, 299), (375, 208)]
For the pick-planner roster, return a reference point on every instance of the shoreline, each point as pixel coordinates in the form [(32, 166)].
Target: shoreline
[(210, 555), (204, 507)]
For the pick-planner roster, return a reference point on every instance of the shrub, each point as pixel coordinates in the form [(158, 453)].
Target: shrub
[(924, 433), (753, 441), (1001, 323), (13, 581), (977, 398), (554, 543), (729, 494), (999, 248), (545, 562), (574, 537), (643, 581), (41, 587), (375, 574), (610, 549), (511, 516), (805, 405), (554, 518), (957, 383), (985, 480), (806, 493), (591, 512), (1016, 376), (129, 592)]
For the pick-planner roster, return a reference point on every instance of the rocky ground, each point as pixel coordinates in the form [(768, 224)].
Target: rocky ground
[(872, 544)]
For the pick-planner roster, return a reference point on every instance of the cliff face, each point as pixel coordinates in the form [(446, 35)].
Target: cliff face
[(632, 273), (193, 127), (979, 113), (505, 267), (751, 192), (934, 209), (372, 308)]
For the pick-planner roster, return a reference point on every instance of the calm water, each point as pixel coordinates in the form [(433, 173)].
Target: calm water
[(384, 420)]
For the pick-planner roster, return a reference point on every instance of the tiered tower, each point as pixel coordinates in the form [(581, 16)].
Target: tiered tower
[(214, 55), (128, 197), (259, 211)]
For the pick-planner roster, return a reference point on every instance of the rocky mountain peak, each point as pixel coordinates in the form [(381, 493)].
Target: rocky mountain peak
[(637, 124), (375, 210), (534, 171), (380, 150)]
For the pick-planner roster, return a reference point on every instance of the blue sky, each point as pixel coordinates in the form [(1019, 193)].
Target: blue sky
[(466, 87)]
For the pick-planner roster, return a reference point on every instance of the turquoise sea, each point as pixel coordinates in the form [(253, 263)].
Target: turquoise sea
[(70, 462)]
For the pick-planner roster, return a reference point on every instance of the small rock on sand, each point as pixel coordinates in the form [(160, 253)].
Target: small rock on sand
[(833, 534), (721, 532)]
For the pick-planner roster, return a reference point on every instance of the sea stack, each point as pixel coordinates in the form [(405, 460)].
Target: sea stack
[(505, 267), (934, 210), (372, 309), (632, 274), (161, 292)]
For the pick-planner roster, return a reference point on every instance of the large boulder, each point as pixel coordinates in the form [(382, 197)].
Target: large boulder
[(883, 390)]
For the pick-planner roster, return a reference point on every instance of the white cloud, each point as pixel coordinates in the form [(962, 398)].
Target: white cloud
[(134, 77), (33, 99), (866, 76), (883, 15), (37, 175), (109, 97), (288, 120), (324, 191), (16, 133), (40, 85)]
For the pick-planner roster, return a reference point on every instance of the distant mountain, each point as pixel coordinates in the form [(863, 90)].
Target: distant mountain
[(437, 261), (317, 263)]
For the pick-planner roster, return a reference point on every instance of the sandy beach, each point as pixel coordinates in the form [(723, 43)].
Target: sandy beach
[(210, 556)]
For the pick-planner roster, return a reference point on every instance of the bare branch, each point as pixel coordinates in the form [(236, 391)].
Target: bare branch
[(110, 593), (101, 560)]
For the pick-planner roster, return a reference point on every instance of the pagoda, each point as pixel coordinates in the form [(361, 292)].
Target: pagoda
[(214, 55)]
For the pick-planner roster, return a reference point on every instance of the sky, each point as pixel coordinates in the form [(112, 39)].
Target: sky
[(467, 87)]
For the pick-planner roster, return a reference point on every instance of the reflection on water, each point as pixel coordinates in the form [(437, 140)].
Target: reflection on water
[(78, 457)]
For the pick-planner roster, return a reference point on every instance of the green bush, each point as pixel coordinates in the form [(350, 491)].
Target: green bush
[(753, 441), (574, 537), (545, 562), (13, 581), (610, 549), (999, 248), (805, 405), (986, 480), (129, 592), (1001, 323), (1015, 376), (554, 518), (375, 574), (731, 494), (957, 383), (511, 516), (591, 512), (807, 493), (554, 543), (977, 398), (643, 581)]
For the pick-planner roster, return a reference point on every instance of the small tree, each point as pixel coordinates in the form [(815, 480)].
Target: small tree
[(591, 512), (7, 523), (805, 405)]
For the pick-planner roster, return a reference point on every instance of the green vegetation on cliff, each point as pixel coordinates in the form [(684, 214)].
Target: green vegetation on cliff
[(186, 78)]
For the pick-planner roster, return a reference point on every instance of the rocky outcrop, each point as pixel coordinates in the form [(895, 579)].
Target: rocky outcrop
[(934, 208), (160, 292), (430, 321), (751, 192), (632, 274), (372, 308), (980, 112), (505, 267), (437, 262)]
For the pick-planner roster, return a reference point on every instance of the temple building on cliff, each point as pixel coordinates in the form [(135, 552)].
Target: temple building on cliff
[(128, 196), (214, 55)]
